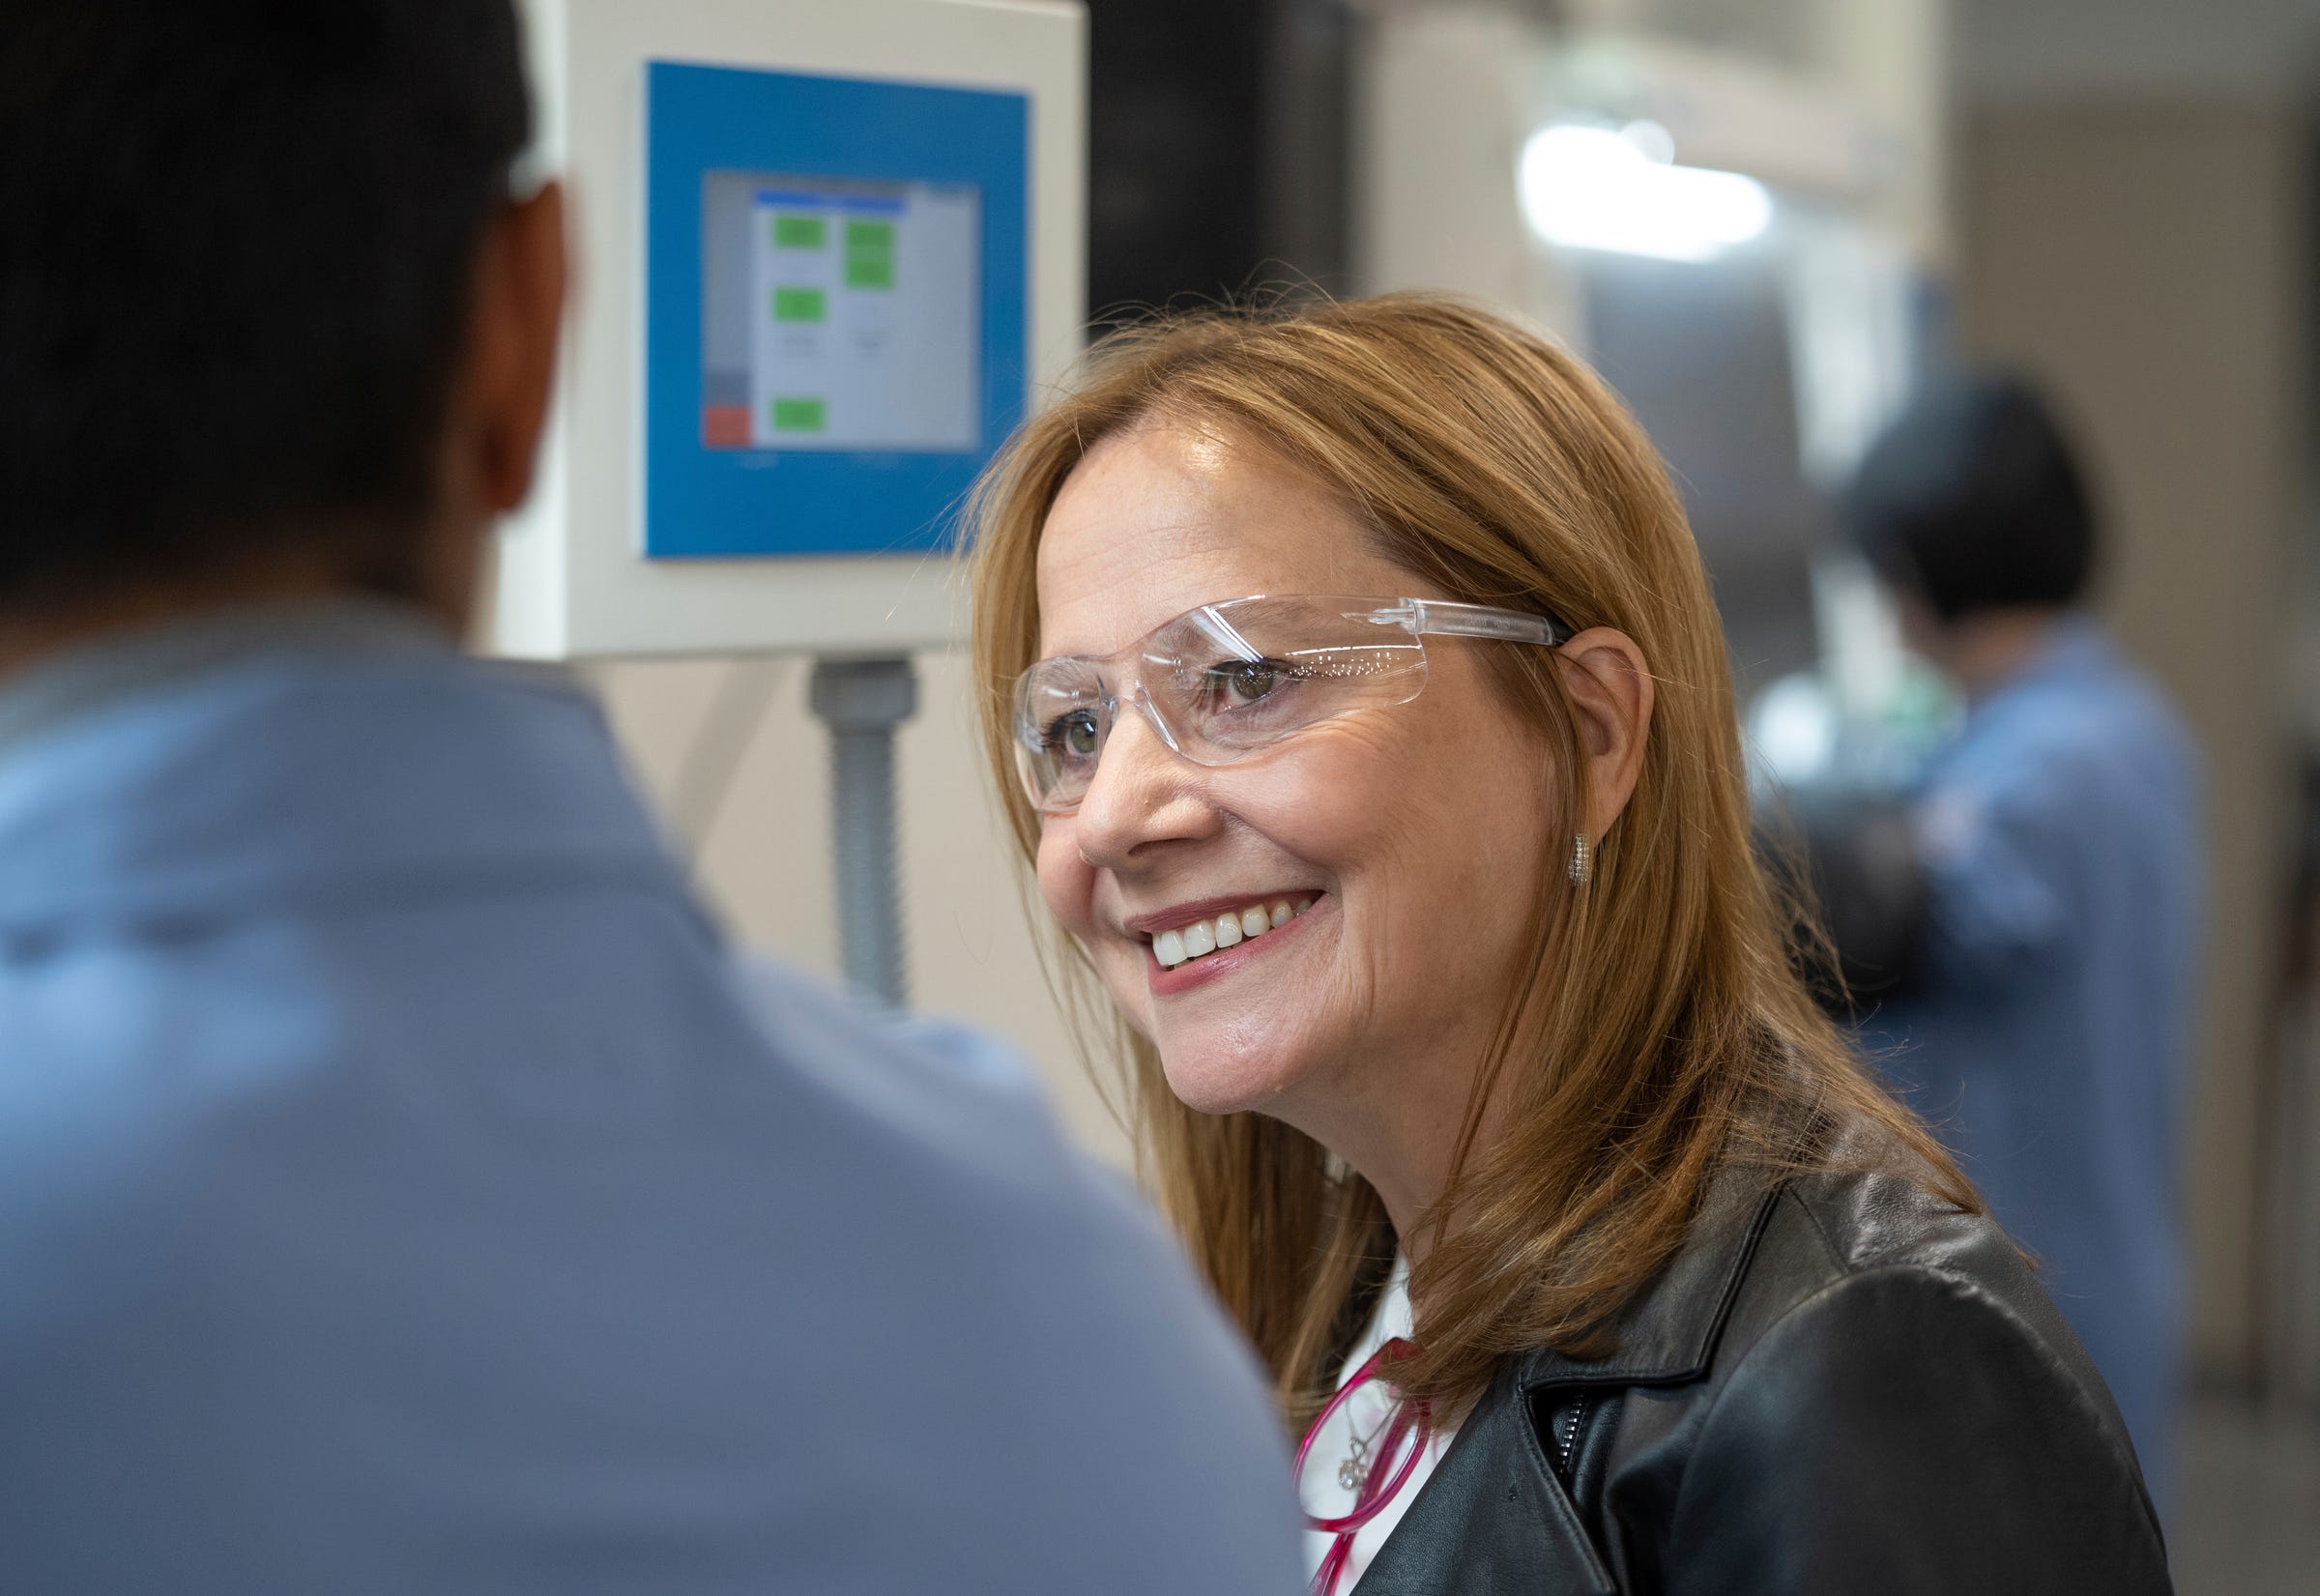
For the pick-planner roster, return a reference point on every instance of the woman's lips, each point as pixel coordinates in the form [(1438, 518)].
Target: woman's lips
[(1195, 930), (1167, 980)]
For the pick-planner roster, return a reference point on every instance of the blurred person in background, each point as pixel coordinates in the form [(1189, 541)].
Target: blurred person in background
[(1359, 703), (2043, 1027), (403, 1188)]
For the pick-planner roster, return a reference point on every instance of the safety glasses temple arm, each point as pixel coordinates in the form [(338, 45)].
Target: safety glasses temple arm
[(1439, 618)]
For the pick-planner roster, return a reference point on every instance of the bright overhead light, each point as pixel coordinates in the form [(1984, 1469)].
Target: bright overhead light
[(1655, 141), (1597, 189)]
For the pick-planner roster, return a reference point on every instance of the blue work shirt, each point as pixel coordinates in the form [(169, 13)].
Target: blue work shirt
[(2060, 837), (403, 1189)]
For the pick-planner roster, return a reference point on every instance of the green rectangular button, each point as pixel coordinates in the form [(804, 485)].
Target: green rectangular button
[(799, 416), (800, 232), (875, 236), (798, 305), (869, 272)]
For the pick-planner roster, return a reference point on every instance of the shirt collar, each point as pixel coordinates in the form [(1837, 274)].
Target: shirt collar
[(96, 675), (2073, 642), (304, 760)]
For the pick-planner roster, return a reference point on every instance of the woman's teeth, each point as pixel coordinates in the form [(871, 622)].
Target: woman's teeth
[(1173, 948)]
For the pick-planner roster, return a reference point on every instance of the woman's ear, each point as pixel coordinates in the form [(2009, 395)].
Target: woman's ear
[(1611, 688)]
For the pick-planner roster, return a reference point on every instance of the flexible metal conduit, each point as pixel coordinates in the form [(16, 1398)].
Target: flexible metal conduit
[(863, 701)]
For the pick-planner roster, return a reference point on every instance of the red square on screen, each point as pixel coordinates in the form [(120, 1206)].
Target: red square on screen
[(725, 426)]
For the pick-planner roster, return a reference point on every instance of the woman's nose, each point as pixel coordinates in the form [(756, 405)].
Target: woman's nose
[(1144, 792)]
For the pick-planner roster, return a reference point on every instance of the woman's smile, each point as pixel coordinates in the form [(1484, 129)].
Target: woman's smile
[(1194, 943)]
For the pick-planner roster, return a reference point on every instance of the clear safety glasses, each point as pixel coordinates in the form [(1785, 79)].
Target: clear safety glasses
[(1224, 681)]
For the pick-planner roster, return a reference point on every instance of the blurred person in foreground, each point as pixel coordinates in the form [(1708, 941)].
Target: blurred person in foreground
[(2044, 1028), (402, 1187), (1362, 710)]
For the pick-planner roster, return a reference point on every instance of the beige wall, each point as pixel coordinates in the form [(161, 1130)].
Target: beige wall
[(764, 857), (2140, 253)]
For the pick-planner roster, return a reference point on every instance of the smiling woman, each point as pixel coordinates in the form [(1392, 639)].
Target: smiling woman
[(1437, 948)]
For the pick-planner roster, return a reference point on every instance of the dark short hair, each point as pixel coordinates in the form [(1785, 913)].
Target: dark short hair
[(237, 240), (1973, 500)]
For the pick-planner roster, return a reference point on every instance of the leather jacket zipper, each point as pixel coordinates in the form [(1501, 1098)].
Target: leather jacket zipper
[(1566, 1440)]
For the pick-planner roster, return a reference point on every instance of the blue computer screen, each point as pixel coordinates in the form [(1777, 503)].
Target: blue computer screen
[(837, 308)]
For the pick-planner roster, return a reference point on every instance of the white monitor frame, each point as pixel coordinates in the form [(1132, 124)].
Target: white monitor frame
[(572, 581)]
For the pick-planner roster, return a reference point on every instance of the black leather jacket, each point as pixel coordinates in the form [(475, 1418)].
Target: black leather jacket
[(1840, 1385)]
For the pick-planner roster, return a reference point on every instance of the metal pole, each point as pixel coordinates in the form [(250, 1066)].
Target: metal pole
[(862, 702)]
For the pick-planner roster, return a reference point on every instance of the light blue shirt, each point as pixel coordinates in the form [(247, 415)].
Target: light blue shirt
[(2061, 838), (403, 1189)]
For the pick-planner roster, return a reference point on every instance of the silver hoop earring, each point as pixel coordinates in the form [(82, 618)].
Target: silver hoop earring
[(1583, 859)]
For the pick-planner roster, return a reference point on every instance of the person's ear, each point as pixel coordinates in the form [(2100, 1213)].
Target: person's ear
[(514, 333), (1609, 685)]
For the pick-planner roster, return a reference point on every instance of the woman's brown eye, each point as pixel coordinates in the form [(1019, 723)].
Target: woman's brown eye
[(1075, 734), (1250, 680)]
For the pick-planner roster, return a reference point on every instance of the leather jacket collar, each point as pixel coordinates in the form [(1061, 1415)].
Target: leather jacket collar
[(1667, 1332), (1494, 1515), (1840, 1384)]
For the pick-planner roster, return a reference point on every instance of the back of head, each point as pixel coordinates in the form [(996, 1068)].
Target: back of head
[(1972, 500), (239, 242)]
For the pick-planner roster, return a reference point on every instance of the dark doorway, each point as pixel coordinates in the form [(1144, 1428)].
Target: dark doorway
[(1217, 149)]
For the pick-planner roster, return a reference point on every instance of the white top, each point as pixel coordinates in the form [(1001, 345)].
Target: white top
[(1392, 1319)]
